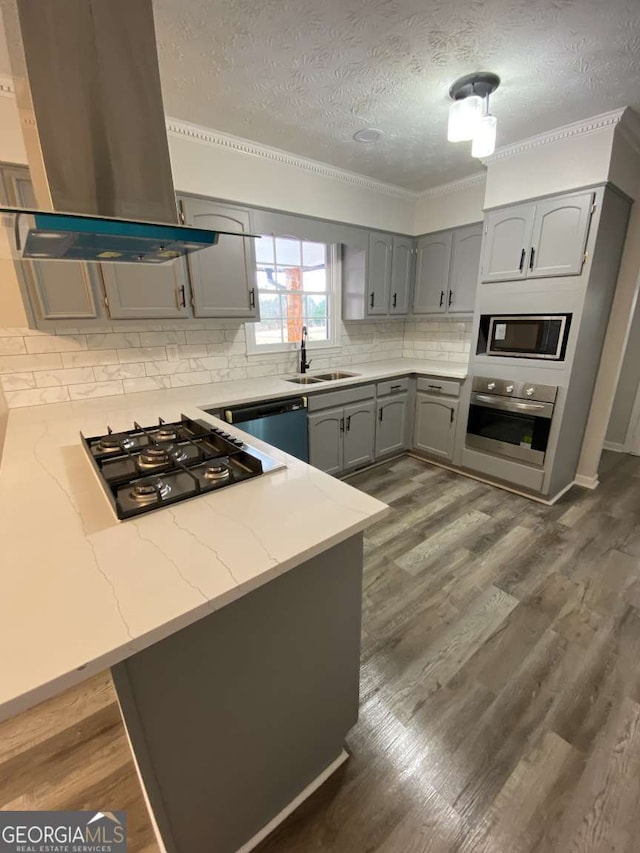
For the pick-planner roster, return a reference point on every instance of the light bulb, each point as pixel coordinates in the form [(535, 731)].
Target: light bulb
[(464, 116), (484, 137)]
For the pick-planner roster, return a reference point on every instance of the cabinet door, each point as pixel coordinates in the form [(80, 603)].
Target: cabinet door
[(223, 277), (401, 275), (391, 425), (359, 434), (435, 425), (145, 290), (433, 259), (326, 430), (559, 236), (465, 268), (378, 274), (57, 291), (506, 243)]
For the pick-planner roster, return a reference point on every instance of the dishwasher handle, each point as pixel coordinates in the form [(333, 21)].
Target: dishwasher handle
[(240, 414)]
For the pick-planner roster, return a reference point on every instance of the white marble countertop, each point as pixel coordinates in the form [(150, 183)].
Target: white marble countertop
[(80, 591)]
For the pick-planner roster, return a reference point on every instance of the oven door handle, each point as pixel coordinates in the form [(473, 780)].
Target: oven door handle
[(542, 410)]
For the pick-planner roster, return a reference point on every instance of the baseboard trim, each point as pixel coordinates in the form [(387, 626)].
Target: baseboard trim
[(293, 805), (562, 492), (464, 473), (615, 446), (587, 482)]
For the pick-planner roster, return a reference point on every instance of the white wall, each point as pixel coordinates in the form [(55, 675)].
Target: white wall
[(457, 203), (11, 143), (551, 167), (222, 171)]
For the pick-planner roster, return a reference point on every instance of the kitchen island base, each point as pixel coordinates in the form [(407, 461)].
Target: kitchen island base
[(232, 718)]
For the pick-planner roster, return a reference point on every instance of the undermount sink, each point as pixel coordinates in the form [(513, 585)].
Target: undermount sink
[(304, 380), (337, 374)]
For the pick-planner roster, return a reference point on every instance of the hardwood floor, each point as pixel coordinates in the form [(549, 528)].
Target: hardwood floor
[(71, 752), (500, 674), (500, 697)]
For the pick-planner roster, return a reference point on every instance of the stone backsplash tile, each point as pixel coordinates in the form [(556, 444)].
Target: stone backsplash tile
[(76, 363)]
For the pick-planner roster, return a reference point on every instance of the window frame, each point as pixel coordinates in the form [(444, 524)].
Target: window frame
[(333, 308)]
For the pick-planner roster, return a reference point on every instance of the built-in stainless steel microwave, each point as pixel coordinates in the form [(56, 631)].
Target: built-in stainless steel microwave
[(527, 335)]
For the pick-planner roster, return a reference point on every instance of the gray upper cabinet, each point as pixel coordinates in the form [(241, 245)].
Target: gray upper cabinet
[(559, 236), (391, 425), (401, 275), (433, 259), (379, 273), (435, 423), (62, 291), (325, 440), (146, 291), (507, 242), (56, 291), (223, 277), (537, 240), (359, 434), (465, 266)]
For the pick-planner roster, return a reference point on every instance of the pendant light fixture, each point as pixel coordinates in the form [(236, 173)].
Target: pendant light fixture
[(469, 116)]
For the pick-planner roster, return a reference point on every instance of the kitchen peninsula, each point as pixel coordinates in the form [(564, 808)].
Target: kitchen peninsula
[(231, 622)]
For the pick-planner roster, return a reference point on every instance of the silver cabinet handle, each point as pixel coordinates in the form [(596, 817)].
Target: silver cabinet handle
[(181, 301), (252, 298)]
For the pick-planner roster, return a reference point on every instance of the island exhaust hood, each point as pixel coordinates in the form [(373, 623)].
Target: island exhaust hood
[(90, 106)]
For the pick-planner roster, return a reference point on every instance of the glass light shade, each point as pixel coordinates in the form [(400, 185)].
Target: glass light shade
[(484, 138), (464, 116)]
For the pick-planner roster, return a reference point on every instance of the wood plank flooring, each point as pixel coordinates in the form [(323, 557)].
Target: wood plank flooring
[(500, 690), (500, 674)]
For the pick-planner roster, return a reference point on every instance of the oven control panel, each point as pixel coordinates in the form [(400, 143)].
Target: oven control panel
[(513, 388)]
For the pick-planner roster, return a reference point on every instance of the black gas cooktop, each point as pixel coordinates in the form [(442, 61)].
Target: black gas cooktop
[(146, 468)]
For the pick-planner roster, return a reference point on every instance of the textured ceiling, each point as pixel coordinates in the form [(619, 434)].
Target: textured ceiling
[(304, 75)]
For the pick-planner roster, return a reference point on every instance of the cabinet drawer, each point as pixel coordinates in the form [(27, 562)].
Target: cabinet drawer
[(340, 398), (503, 469), (432, 385), (393, 386)]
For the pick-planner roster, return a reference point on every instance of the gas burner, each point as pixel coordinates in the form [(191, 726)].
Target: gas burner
[(115, 441), (216, 471), (166, 433), (160, 454), (148, 491)]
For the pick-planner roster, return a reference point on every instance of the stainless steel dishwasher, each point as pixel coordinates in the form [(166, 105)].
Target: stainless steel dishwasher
[(281, 423)]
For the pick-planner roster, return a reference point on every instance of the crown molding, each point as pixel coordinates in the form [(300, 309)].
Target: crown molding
[(254, 149), (6, 86), (629, 128), (454, 186), (567, 131)]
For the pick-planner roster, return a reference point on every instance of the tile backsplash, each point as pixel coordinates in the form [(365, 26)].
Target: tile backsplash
[(75, 364)]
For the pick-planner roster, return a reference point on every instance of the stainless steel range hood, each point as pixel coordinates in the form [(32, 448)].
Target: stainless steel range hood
[(90, 106)]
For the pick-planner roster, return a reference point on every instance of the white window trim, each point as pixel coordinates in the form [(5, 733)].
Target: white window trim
[(334, 275)]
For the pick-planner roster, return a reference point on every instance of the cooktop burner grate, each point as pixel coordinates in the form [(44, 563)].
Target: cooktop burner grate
[(150, 467)]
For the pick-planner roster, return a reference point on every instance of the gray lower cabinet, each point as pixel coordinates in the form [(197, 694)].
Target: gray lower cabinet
[(325, 440), (223, 277), (359, 434), (435, 425), (342, 438), (391, 425), (145, 290)]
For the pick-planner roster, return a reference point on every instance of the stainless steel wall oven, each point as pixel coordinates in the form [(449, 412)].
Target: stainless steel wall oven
[(510, 418)]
